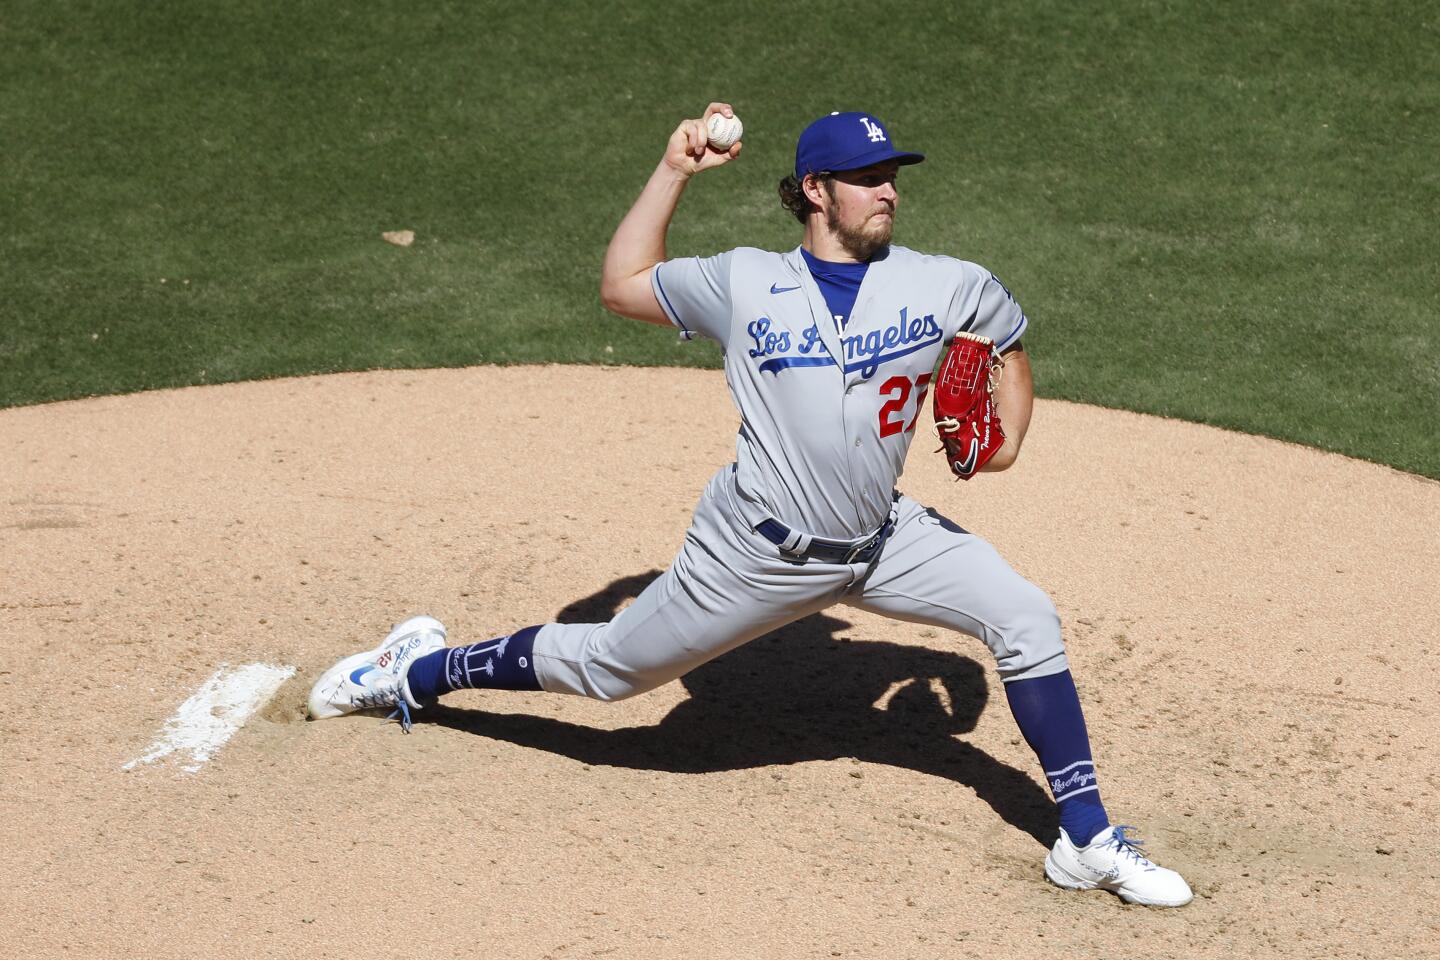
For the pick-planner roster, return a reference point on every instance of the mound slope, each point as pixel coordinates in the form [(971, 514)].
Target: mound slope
[(1252, 626)]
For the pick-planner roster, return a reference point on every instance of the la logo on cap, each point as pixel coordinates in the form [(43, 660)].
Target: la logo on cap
[(833, 145)]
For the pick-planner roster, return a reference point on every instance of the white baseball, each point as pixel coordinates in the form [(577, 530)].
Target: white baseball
[(724, 131)]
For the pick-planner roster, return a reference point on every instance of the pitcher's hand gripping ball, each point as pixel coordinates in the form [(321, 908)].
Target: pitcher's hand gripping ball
[(964, 404), (724, 131)]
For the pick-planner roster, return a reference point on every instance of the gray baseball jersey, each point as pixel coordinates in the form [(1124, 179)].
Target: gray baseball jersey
[(827, 416), (826, 419)]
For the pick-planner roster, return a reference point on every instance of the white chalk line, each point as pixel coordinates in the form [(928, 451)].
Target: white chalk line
[(206, 721)]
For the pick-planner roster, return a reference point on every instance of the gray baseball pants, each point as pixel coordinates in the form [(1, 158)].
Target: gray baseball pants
[(730, 585)]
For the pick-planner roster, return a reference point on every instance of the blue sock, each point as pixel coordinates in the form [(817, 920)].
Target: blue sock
[(505, 663), (1047, 710)]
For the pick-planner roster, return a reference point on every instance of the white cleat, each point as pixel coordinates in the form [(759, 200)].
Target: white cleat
[(1114, 862), (376, 679)]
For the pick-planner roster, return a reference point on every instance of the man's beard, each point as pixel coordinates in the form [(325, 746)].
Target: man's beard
[(859, 242)]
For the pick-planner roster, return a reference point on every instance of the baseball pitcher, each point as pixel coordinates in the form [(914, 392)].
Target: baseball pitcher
[(830, 351)]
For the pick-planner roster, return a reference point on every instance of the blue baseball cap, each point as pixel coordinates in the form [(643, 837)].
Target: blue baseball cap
[(846, 141)]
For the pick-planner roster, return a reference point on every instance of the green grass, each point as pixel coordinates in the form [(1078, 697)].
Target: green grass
[(1224, 213)]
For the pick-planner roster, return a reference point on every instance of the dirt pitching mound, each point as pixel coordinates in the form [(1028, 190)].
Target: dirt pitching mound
[(1252, 626)]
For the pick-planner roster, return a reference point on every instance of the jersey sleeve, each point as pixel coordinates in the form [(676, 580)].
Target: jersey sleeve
[(694, 292), (994, 312)]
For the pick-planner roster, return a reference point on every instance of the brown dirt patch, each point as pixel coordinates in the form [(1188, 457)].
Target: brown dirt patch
[(1252, 626)]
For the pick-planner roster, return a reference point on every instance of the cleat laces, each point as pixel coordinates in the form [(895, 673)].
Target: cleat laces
[(388, 696), (374, 699), (1123, 843), (402, 710)]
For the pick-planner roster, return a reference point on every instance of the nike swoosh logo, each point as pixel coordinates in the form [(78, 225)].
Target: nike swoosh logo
[(360, 672), (967, 466), (775, 289)]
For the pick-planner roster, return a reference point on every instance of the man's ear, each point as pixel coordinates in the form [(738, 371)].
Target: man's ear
[(813, 189)]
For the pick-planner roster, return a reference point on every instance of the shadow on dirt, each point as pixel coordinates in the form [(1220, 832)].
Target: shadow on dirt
[(801, 693)]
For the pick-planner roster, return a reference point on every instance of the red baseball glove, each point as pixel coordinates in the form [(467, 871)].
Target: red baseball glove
[(964, 404)]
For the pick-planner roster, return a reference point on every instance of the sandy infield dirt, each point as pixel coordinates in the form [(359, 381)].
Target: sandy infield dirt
[(1252, 625)]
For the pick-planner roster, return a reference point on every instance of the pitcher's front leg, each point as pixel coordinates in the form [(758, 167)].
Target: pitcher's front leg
[(935, 572)]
